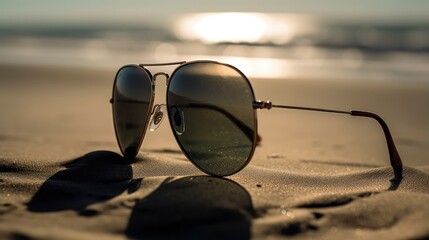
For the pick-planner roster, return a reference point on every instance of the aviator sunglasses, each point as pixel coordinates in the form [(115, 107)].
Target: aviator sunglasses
[(211, 108)]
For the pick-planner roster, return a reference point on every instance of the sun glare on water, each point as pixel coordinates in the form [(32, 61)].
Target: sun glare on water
[(223, 27), (230, 27), (241, 28)]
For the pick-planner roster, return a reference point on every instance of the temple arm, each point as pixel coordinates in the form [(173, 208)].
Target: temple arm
[(395, 159)]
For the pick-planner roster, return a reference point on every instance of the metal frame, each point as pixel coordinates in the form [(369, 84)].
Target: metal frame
[(395, 159), (255, 124), (131, 155)]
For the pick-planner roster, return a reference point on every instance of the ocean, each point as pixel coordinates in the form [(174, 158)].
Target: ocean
[(279, 46)]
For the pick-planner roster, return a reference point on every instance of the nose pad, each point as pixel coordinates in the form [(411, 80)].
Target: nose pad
[(157, 116), (178, 120)]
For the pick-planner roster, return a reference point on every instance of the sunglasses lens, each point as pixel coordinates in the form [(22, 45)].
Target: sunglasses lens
[(210, 108), (132, 96)]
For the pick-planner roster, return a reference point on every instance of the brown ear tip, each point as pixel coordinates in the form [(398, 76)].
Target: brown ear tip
[(398, 172)]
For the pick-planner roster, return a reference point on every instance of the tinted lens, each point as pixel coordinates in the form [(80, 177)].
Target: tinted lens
[(132, 98), (210, 108)]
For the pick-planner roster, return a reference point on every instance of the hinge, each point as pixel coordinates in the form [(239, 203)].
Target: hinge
[(262, 105)]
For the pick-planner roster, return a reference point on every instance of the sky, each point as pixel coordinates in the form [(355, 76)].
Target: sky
[(16, 12)]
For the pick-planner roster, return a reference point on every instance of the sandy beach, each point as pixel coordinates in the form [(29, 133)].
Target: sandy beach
[(314, 175)]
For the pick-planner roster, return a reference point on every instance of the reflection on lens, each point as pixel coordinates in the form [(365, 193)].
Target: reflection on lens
[(132, 96), (215, 103), (178, 120)]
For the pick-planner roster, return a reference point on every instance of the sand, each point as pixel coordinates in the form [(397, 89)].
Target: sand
[(314, 175)]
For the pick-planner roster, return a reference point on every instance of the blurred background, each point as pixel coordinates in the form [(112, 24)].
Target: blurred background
[(387, 39)]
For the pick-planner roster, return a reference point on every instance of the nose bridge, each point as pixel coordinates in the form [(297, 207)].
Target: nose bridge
[(155, 76)]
